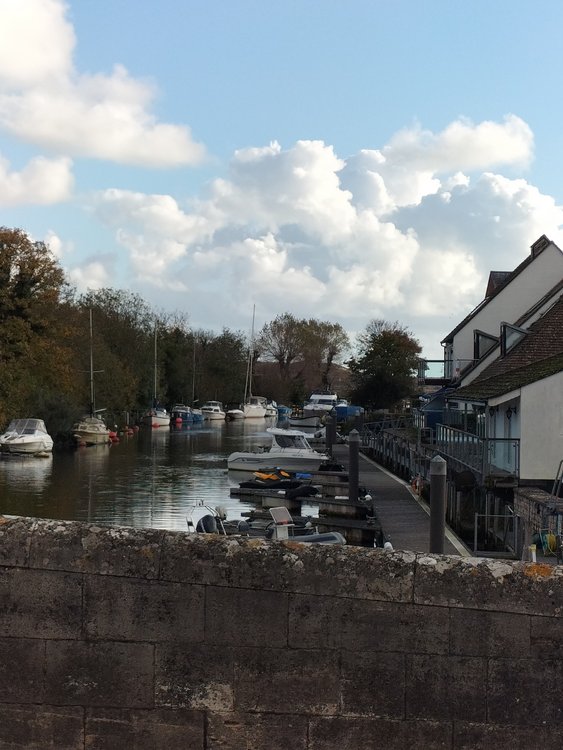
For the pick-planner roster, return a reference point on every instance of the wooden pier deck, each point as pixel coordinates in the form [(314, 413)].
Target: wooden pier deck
[(404, 518)]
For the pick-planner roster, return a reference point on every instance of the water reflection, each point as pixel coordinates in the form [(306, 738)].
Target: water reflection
[(26, 473), (148, 479)]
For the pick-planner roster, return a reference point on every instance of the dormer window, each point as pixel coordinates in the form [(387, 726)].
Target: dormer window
[(483, 343), (510, 336)]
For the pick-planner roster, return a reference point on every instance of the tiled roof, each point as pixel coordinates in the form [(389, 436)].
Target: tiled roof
[(538, 355)]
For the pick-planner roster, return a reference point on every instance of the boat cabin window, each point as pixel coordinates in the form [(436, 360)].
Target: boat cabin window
[(291, 441)]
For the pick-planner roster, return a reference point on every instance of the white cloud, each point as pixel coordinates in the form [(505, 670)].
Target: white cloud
[(376, 235), (46, 102), (41, 182)]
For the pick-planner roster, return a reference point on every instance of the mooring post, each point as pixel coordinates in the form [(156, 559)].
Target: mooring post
[(353, 465), (437, 504), (330, 425)]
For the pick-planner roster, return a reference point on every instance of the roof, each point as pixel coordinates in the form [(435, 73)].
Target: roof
[(538, 355), (498, 285)]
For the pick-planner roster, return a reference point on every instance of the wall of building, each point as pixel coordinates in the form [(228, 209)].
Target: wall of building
[(513, 301), (120, 638), (541, 429)]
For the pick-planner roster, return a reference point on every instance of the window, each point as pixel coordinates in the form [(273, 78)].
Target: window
[(510, 336)]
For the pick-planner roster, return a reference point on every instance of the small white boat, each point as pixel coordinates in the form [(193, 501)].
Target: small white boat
[(289, 450), (271, 409), (255, 407), (213, 410), (28, 436), (233, 414), (302, 421), (91, 430), (156, 417), (320, 403)]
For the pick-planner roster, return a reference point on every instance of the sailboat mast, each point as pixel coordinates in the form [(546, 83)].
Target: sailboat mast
[(154, 397), (92, 405), (248, 383)]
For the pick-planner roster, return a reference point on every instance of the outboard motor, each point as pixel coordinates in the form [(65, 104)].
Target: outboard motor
[(206, 525)]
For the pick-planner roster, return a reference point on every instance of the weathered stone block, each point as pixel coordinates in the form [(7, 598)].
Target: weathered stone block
[(526, 691), (41, 727), (15, 540), (40, 604), (486, 633), (351, 572), (287, 681), (547, 637), (341, 733), (128, 609), (373, 684), (505, 737), (256, 731), (242, 617), (199, 677), (367, 625), (100, 674), (500, 585), (446, 687), (103, 550), (21, 670), (134, 729)]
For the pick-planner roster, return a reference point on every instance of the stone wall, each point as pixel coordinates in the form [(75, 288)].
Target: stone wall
[(118, 639)]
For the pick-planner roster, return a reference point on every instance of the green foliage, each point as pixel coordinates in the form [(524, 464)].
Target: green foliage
[(383, 370)]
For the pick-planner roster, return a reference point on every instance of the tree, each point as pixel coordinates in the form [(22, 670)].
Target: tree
[(282, 340), (304, 350), (34, 346), (324, 343), (383, 370)]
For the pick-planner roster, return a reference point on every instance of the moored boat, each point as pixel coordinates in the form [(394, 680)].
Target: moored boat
[(27, 436), (289, 450), (91, 430), (213, 411)]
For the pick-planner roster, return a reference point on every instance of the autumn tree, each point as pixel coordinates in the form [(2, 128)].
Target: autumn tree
[(383, 369), (34, 356), (324, 343), (304, 350)]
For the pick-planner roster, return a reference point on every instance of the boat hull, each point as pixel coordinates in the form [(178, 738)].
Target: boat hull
[(91, 438), (250, 462), (27, 447)]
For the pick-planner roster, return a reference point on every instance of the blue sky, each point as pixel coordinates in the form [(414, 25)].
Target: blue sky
[(338, 160)]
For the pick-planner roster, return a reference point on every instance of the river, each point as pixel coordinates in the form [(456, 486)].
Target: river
[(149, 479)]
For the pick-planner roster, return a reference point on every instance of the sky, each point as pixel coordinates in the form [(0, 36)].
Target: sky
[(344, 160)]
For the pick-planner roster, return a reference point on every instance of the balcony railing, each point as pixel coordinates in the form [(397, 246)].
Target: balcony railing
[(490, 457)]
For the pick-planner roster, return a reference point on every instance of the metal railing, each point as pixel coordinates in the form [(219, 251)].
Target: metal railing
[(487, 456)]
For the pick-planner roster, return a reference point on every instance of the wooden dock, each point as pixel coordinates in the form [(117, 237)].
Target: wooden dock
[(404, 518), (395, 513)]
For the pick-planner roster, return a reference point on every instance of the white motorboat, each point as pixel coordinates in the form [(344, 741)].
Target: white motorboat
[(91, 430), (156, 417), (321, 403), (233, 414), (299, 422), (271, 409), (255, 407), (28, 436), (289, 450), (213, 410)]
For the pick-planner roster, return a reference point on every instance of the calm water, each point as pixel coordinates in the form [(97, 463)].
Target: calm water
[(149, 479)]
